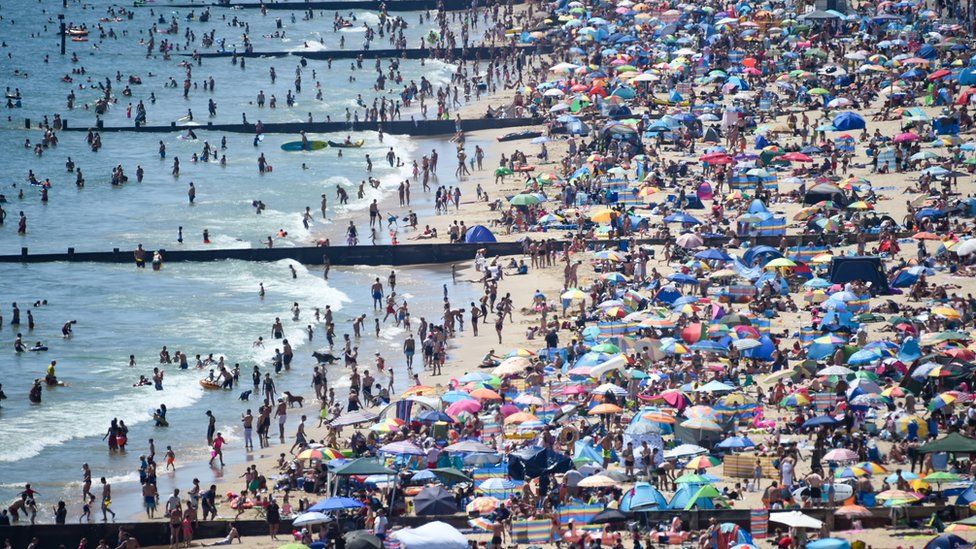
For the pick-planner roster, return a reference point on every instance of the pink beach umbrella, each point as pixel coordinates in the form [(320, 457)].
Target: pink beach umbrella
[(470, 406)]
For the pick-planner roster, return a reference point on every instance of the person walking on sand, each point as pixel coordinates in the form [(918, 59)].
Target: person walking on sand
[(273, 514), (300, 439)]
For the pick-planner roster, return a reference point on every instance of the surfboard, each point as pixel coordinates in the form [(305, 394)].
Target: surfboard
[(297, 146)]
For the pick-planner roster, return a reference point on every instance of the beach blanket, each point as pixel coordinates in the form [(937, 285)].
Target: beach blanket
[(532, 531)]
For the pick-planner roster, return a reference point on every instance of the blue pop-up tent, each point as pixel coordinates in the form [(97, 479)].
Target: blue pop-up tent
[(479, 234)]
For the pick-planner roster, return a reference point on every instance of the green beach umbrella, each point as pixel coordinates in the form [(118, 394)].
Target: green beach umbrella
[(524, 200)]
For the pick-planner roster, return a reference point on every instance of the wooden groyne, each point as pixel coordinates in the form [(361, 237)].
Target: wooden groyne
[(345, 5), (404, 254), (470, 53), (420, 128)]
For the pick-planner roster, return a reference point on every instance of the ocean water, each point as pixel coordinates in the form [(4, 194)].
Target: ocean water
[(197, 308)]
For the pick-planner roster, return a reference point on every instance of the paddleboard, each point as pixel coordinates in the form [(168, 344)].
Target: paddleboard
[(344, 145), (297, 146)]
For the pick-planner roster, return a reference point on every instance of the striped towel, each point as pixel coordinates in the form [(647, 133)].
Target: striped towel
[(390, 543), (758, 523), (532, 531)]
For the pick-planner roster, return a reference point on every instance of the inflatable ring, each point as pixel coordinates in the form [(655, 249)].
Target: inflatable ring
[(569, 435)]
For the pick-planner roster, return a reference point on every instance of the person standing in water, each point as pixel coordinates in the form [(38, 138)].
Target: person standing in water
[(211, 427)]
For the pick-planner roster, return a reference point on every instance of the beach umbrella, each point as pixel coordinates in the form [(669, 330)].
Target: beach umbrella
[(853, 511), (472, 446), (402, 448), (692, 240), (499, 485), (467, 406), (608, 516), (434, 500), (320, 454), (702, 462), (684, 450), (309, 519), (482, 505), (362, 539), (525, 200), (511, 366), (796, 400), (610, 388), (336, 503), (420, 390), (835, 371), (433, 416), (939, 477), (736, 443), (520, 417), (840, 454), (795, 519), (701, 424), (658, 417), (898, 496), (451, 397), (691, 478), (605, 409), (597, 481)]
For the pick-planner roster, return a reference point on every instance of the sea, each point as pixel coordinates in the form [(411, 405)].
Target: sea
[(198, 308)]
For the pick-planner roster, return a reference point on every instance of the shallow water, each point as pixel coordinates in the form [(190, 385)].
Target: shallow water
[(197, 308)]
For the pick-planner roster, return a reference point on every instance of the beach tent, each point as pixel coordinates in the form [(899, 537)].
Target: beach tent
[(953, 442), (763, 253), (864, 268), (968, 496), (691, 495), (947, 541), (433, 535), (434, 500), (479, 234), (364, 467), (823, 192), (536, 461), (642, 497)]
